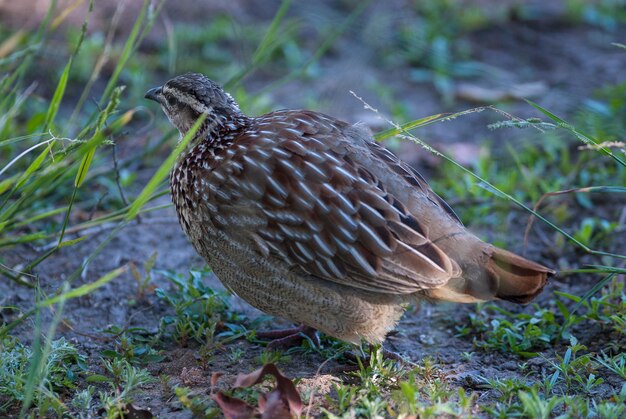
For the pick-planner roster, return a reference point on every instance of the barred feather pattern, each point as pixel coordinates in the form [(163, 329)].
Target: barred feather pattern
[(295, 194), (308, 218)]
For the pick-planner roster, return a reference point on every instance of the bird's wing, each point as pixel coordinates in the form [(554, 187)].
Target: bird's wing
[(292, 185), (410, 175)]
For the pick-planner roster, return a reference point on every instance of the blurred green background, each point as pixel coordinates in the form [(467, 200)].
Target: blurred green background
[(84, 194)]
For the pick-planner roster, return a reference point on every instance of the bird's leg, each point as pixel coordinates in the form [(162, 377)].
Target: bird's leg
[(289, 337)]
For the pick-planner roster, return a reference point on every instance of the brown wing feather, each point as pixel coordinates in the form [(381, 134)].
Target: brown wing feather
[(412, 176), (290, 180)]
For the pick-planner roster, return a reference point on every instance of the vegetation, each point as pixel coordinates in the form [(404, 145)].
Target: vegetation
[(74, 148)]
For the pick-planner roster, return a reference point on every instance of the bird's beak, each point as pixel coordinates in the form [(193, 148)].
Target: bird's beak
[(154, 94)]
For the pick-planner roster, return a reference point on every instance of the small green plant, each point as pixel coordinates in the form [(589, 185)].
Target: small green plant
[(199, 404), (199, 310), (616, 364), (135, 345), (143, 281), (606, 307), (82, 403), (522, 333), (62, 369), (427, 393), (467, 356), (615, 407), (235, 355), (272, 357), (433, 44), (537, 407), (575, 370), (374, 381), (124, 381)]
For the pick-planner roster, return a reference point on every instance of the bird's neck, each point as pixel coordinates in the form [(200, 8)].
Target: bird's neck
[(224, 125), (217, 129)]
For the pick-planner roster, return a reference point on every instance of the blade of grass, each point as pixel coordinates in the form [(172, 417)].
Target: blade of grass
[(419, 123), (34, 365), (15, 78), (483, 182), (36, 163), (68, 294), (99, 136), (53, 107), (129, 48), (12, 42), (163, 171), (4, 330), (99, 64), (9, 273), (609, 269), (590, 293), (9, 141), (117, 215), (38, 370), (9, 114), (32, 168), (85, 151), (265, 47), (326, 44), (590, 189), (65, 13), (587, 139)]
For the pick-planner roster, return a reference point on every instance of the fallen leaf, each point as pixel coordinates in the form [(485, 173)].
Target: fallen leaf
[(232, 407), (282, 402), (214, 377), (273, 406)]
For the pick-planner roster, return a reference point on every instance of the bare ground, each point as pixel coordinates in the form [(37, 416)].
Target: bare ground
[(547, 51)]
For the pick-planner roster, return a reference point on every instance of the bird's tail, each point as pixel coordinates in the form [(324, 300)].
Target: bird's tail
[(503, 275), (518, 279)]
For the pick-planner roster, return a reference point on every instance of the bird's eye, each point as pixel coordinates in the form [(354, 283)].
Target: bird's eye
[(171, 100)]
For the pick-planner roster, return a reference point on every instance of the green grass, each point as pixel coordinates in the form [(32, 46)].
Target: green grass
[(198, 310), (58, 142), (60, 372), (58, 150)]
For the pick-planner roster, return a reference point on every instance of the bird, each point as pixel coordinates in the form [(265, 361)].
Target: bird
[(308, 218)]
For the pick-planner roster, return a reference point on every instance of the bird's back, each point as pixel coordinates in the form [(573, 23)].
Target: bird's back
[(307, 217), (296, 206)]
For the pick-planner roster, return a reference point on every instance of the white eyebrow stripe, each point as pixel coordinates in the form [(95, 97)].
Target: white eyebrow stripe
[(188, 99)]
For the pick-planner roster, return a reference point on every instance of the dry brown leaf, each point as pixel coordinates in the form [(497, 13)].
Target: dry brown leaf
[(214, 377), (282, 402), (273, 406), (232, 407)]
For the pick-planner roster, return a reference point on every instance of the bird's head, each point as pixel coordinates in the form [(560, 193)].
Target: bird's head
[(184, 98)]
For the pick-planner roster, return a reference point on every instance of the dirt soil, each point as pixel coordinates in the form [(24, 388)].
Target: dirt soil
[(572, 61)]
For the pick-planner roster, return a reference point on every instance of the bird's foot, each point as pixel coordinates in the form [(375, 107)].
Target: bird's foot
[(284, 338)]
